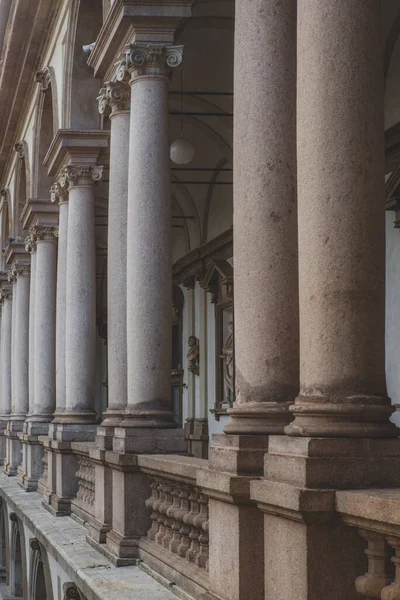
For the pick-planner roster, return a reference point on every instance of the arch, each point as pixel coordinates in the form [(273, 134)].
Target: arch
[(4, 545), (21, 188), (40, 587), (18, 582), (80, 108), (46, 126)]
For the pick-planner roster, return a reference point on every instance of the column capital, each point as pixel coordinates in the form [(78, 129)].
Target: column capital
[(81, 175), (150, 60), (12, 275), (5, 294), (114, 97), (59, 190), (39, 233), (21, 269), (30, 244)]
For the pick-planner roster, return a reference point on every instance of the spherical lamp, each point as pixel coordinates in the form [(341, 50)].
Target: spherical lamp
[(182, 151)]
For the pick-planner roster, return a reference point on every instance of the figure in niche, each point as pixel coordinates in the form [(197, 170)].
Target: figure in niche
[(193, 354), (228, 356)]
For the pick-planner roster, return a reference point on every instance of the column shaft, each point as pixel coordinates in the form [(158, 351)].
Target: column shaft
[(21, 340), (80, 332), (13, 334), (44, 332), (32, 329), (61, 307), (6, 323), (265, 217), (341, 221), (149, 263), (116, 96)]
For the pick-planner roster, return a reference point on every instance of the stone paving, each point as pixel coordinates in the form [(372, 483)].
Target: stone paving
[(65, 541)]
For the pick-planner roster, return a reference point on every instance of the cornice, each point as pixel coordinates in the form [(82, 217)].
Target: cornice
[(136, 20), (38, 212), (71, 147), (15, 251)]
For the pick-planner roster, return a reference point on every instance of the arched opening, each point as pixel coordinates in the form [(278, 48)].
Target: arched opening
[(16, 583), (21, 190), (46, 126), (80, 91), (40, 587)]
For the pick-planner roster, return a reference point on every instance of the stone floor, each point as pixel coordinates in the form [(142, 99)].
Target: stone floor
[(65, 541)]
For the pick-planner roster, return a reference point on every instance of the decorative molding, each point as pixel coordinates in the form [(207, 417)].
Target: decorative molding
[(39, 233), (219, 273), (81, 175), (44, 78), (149, 59), (13, 517), (20, 149), (114, 97), (30, 244), (59, 190), (71, 592), (35, 545)]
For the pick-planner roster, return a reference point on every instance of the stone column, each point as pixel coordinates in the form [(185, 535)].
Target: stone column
[(20, 276), (6, 335), (115, 99), (30, 246), (149, 262), (341, 222), (265, 212), (80, 332), (44, 327), (59, 192)]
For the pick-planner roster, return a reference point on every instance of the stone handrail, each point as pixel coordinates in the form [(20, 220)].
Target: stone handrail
[(376, 515), (83, 506)]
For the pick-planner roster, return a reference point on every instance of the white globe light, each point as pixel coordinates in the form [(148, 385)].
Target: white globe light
[(182, 151)]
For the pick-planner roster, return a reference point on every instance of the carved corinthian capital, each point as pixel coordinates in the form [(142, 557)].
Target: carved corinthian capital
[(59, 190), (30, 244), (114, 97), (39, 233), (151, 59), (76, 176)]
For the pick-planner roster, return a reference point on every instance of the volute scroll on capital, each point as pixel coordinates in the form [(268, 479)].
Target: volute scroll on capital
[(114, 97), (81, 175), (149, 59), (30, 244), (40, 233), (59, 190)]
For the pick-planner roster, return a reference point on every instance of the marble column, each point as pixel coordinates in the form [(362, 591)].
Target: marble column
[(341, 222), (30, 246), (44, 325), (149, 262), (20, 276), (114, 99), (59, 193), (80, 332), (265, 212), (6, 329)]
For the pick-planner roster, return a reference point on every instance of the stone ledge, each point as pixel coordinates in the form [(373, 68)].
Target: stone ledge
[(381, 507), (182, 468), (65, 541), (224, 486)]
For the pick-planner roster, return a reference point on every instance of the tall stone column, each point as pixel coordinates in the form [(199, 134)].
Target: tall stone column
[(114, 99), (149, 262), (80, 332), (20, 276), (6, 337), (44, 326), (30, 247), (341, 222), (265, 212), (59, 192)]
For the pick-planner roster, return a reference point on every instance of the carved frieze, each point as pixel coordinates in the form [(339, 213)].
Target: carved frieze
[(114, 97)]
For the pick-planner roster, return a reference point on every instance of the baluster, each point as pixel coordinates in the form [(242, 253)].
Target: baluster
[(392, 591), (185, 527), (160, 519), (174, 512), (151, 503), (168, 520), (380, 568), (194, 532), (200, 522)]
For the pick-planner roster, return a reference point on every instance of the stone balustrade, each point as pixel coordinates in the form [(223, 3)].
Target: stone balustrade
[(83, 505), (376, 515)]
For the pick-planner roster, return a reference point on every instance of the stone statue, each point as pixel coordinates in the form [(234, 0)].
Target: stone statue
[(193, 354), (228, 356)]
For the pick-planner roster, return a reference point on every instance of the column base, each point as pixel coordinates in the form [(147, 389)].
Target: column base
[(88, 417), (148, 419), (113, 417), (258, 418), (137, 440), (13, 447), (351, 417), (238, 454)]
